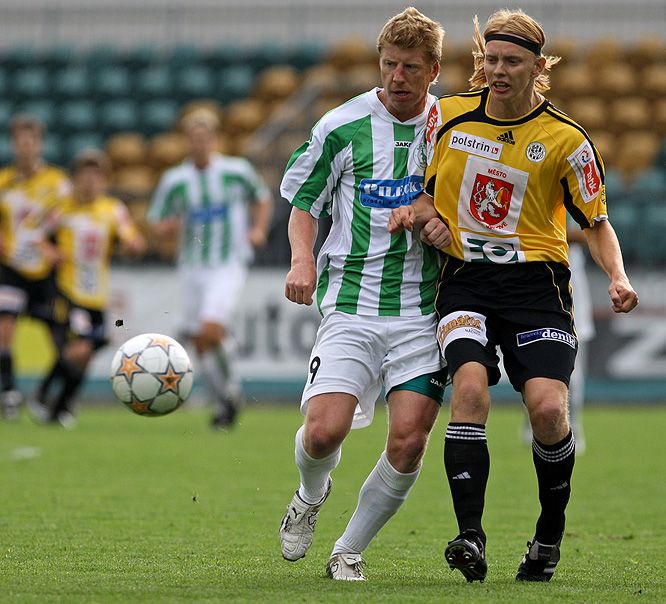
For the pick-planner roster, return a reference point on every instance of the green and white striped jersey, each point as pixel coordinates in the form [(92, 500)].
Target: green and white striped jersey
[(214, 204), (359, 163)]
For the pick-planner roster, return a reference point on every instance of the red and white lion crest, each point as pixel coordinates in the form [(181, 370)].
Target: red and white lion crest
[(491, 199)]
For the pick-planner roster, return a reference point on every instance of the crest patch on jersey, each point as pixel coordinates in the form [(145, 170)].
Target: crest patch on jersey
[(535, 152), (491, 199), (585, 167), (475, 144)]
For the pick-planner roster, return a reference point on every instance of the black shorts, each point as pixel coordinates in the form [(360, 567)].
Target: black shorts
[(74, 321), (525, 309), (19, 295)]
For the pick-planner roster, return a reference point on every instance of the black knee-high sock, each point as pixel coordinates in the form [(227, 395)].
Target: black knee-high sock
[(554, 466), (73, 378), (57, 372), (467, 465), (6, 370)]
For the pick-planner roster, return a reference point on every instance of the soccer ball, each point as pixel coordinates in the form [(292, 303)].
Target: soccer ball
[(151, 374)]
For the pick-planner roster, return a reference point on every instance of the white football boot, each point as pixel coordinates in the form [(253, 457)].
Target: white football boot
[(346, 567), (298, 525)]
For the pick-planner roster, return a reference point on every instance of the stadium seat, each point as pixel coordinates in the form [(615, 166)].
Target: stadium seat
[(158, 115), (30, 83), (166, 150), (630, 114), (654, 81), (625, 216), (118, 116), (570, 81), (4, 83), (141, 57), (453, 78), (220, 57), (604, 51), (71, 83), (102, 56), (616, 80), (83, 140), (20, 57), (306, 55), (652, 248), (184, 56), (192, 83), (111, 82), (6, 154), (266, 55), (127, 149), (276, 83), (636, 151), (650, 183), (605, 142), (351, 52), (659, 116), (645, 52), (590, 112), (54, 152), (243, 117), (134, 182), (76, 116), (234, 83), (153, 82), (615, 186), (43, 109), (6, 111), (58, 57)]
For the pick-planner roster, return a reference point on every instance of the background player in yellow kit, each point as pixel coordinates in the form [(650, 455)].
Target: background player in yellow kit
[(85, 228), (28, 189)]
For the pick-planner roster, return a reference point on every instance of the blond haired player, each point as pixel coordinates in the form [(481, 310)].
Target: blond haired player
[(505, 281), (29, 188), (375, 292), (223, 210)]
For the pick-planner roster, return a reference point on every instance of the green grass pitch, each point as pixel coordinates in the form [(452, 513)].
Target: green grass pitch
[(129, 509)]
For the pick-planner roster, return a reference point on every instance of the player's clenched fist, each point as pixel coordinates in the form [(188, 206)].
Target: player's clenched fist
[(402, 218), (301, 283)]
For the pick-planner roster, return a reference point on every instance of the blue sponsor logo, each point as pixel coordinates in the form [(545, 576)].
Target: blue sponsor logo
[(389, 192), (546, 333), (208, 214)]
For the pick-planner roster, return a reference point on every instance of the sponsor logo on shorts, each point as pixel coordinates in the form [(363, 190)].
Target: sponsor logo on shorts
[(390, 192), (466, 322), (545, 333), (437, 383), (476, 145)]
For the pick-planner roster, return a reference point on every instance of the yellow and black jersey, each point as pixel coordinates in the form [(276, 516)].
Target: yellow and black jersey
[(24, 202), (505, 186), (85, 234)]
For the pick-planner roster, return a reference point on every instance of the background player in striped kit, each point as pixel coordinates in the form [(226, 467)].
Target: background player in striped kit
[(223, 210), (375, 291), (29, 189), (505, 281)]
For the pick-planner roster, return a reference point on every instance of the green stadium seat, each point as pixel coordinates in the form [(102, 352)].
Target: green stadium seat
[(158, 115), (59, 57), (43, 110), (221, 56), (306, 54), (30, 83), (650, 183), (4, 83), (234, 83), (77, 116), (102, 56), (184, 56), (141, 57), (6, 153), (118, 116), (54, 151), (20, 57), (6, 112), (193, 83), (266, 55), (625, 216), (652, 241), (112, 82), (153, 82), (71, 83), (77, 142)]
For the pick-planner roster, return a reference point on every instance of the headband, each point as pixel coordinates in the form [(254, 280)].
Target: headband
[(533, 46)]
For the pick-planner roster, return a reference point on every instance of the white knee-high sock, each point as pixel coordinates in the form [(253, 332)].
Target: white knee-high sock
[(314, 472), (382, 494)]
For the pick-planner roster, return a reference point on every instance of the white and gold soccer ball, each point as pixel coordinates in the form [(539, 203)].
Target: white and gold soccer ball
[(151, 374)]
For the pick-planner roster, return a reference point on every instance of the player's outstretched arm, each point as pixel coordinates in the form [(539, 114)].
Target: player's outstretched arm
[(301, 279), (605, 250)]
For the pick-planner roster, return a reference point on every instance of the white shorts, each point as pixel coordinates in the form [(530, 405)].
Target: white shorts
[(358, 354), (210, 295)]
